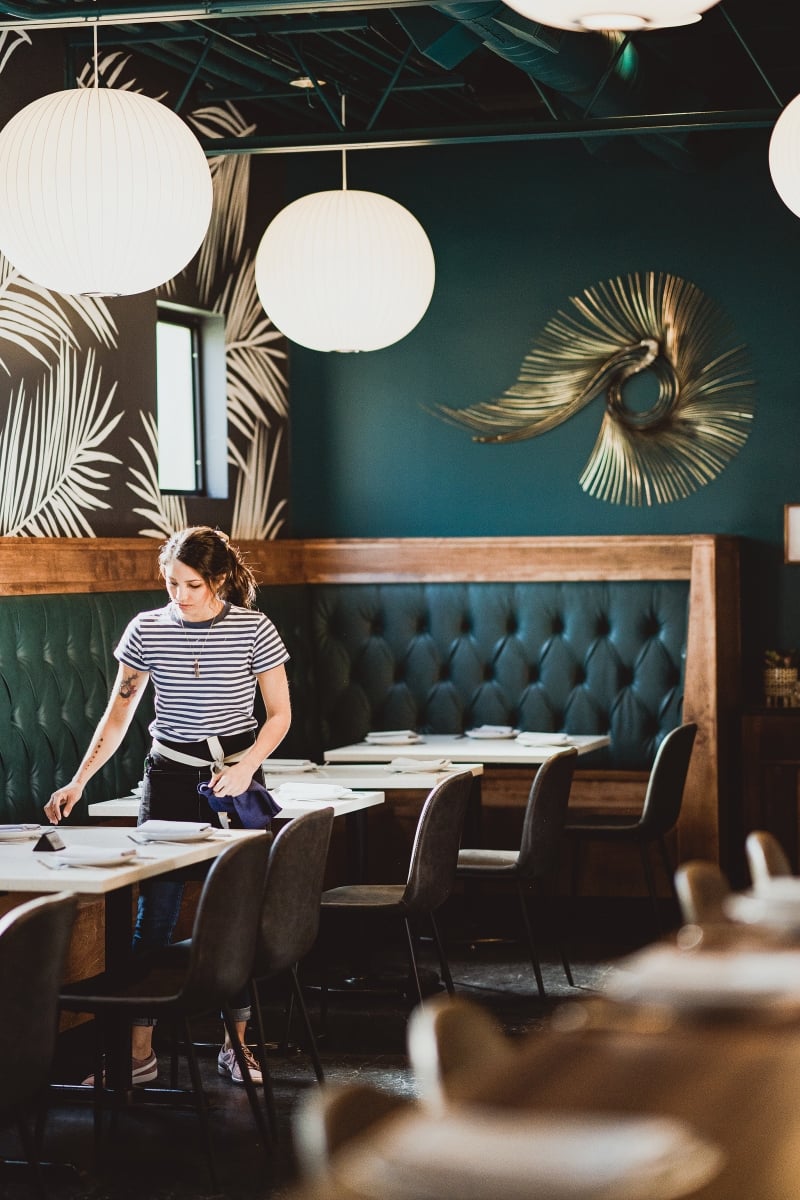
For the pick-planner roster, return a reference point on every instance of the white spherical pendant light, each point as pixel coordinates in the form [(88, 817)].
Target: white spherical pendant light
[(585, 15), (784, 156), (101, 191), (345, 270)]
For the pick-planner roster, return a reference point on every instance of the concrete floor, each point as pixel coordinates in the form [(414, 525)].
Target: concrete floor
[(158, 1154)]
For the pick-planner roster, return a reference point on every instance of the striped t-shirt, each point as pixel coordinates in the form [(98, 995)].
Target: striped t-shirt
[(216, 699)]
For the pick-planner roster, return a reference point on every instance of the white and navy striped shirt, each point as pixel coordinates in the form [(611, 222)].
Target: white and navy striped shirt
[(231, 651)]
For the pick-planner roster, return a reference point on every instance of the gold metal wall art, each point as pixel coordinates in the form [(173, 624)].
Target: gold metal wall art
[(703, 408)]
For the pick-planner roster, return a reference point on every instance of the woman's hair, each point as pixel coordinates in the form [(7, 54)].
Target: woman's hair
[(208, 552)]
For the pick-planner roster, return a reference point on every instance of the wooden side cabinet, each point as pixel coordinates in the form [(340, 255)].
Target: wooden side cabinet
[(771, 776)]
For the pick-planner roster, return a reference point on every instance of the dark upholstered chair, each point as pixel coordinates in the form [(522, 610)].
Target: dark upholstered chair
[(452, 1043), (766, 857), (34, 939), (431, 874), (290, 918), (659, 815), (536, 862), (702, 888), (177, 984)]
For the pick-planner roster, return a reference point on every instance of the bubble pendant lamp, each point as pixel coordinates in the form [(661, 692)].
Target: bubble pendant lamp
[(345, 270), (585, 15), (784, 156), (101, 192)]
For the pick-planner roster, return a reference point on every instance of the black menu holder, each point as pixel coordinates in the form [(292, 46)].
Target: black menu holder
[(51, 839)]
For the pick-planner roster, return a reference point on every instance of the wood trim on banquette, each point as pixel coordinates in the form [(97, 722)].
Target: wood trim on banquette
[(709, 562)]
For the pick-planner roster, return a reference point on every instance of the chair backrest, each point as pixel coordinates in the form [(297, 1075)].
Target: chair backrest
[(702, 888), (546, 815), (223, 941), (291, 902), (452, 1044), (766, 857), (434, 855), (662, 802), (34, 939)]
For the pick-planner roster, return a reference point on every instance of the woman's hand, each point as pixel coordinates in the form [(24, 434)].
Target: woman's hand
[(233, 779), (62, 802)]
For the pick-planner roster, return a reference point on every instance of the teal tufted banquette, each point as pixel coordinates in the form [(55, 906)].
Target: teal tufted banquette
[(583, 657)]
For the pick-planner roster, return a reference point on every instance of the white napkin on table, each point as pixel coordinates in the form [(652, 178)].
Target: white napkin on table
[(310, 791), (413, 765), (390, 737), (490, 731), (529, 738), (288, 766)]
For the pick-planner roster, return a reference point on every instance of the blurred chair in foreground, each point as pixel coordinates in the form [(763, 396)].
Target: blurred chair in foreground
[(766, 858), (336, 1115), (537, 859), (451, 1043), (34, 940), (702, 888)]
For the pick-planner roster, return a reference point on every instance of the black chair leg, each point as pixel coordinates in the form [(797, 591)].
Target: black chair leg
[(31, 1151), (537, 970), (668, 868), (249, 1086), (443, 963), (312, 1041), (266, 1083), (412, 959), (201, 1106)]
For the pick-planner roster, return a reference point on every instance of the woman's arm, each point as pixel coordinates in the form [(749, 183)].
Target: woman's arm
[(113, 725), (274, 688)]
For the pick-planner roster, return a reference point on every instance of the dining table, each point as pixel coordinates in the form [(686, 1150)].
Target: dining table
[(513, 749)]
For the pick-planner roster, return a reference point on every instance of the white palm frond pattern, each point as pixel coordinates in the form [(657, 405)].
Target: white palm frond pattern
[(254, 353), (11, 40), (252, 516), (168, 513), (230, 175), (49, 451)]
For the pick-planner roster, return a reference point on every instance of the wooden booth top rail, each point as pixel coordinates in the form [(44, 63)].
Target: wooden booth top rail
[(40, 565)]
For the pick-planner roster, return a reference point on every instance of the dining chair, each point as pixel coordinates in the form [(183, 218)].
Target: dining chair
[(702, 888), (766, 857), (336, 1115), (177, 986), (659, 815), (536, 861), (34, 940), (290, 911), (431, 876), (452, 1042)]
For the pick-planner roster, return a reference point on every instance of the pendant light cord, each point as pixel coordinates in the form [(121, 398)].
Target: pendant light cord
[(344, 151)]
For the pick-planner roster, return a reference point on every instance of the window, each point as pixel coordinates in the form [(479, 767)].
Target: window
[(190, 401)]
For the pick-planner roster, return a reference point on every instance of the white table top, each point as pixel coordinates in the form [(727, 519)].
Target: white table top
[(372, 777), (459, 748), (128, 806), (21, 870)]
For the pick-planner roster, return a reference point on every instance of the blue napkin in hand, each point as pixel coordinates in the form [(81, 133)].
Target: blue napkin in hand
[(255, 808)]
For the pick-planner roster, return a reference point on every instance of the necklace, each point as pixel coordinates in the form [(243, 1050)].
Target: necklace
[(196, 653)]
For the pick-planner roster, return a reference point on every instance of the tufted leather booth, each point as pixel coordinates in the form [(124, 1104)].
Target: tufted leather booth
[(441, 657)]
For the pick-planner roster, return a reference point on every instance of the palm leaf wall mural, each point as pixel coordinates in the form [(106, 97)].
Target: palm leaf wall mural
[(252, 515), (167, 512), (230, 175), (50, 449)]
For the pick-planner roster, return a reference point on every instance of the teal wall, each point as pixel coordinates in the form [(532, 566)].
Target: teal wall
[(517, 229)]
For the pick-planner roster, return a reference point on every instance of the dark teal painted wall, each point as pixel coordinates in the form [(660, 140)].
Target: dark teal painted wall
[(516, 230)]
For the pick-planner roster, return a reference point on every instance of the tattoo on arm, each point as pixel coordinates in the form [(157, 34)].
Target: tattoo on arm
[(128, 686), (95, 750)]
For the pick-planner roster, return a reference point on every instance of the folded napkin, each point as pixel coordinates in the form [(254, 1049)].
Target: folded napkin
[(491, 731), (311, 791), (288, 766), (87, 856), (709, 979), (392, 736), (157, 829), (485, 1154), (528, 738), (19, 828), (412, 765)]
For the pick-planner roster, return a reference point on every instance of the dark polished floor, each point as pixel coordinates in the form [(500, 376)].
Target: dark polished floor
[(157, 1153)]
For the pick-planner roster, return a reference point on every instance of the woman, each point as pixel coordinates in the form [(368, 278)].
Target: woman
[(205, 650)]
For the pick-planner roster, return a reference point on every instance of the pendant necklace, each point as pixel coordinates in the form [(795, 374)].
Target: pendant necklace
[(195, 653)]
